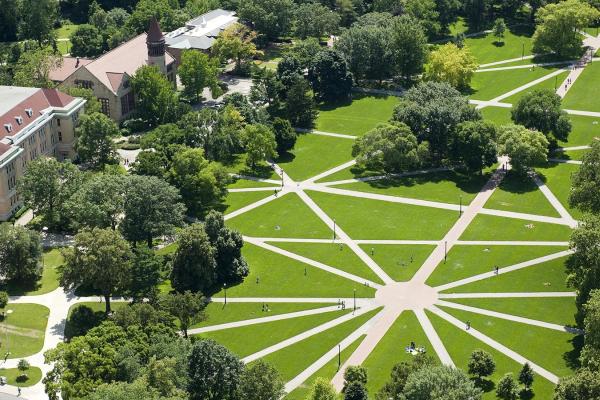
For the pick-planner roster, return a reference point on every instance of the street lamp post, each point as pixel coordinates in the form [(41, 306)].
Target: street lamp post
[(555, 81), (225, 288), (523, 52), (339, 356), (334, 229), (460, 206), (354, 299), (445, 250)]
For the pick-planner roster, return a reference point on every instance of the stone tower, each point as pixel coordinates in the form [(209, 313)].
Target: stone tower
[(156, 46)]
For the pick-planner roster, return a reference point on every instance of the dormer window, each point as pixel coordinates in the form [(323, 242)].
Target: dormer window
[(19, 120), (29, 112), (8, 127)]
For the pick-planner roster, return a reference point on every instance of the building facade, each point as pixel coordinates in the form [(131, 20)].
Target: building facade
[(109, 76), (33, 123)]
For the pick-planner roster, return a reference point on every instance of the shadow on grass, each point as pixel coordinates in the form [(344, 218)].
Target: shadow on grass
[(347, 102), (20, 289), (498, 43), (517, 183), (467, 183), (484, 384), (526, 394), (572, 357)]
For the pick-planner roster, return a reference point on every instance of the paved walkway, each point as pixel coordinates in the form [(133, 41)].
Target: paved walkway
[(554, 201), (510, 295), (577, 69), (563, 161)]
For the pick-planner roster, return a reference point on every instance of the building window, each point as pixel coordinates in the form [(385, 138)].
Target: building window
[(58, 122), (60, 136), (105, 107), (127, 103), (84, 84)]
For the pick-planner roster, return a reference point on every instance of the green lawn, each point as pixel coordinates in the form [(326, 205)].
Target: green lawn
[(350, 173), (280, 276), (356, 117), (247, 340), (235, 201), (245, 183), (334, 255), (583, 95), (390, 350), (558, 179), (570, 154), (328, 372), (22, 331), (489, 85), (545, 277), (238, 166), (497, 115), (446, 186), (294, 359), (286, 216), (49, 281), (460, 345), (373, 219), (11, 374), (464, 261), (585, 129), (395, 260), (550, 84), (486, 50), (314, 154), (491, 227), (65, 31), (218, 313), (559, 310), (520, 194), (532, 342), (98, 306)]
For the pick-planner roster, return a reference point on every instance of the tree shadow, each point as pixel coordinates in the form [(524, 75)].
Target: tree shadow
[(518, 184), (485, 385), (20, 289), (526, 394), (498, 43), (572, 357)]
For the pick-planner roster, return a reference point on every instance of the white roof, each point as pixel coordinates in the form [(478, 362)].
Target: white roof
[(200, 32), (11, 96)]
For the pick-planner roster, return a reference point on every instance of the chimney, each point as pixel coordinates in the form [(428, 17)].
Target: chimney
[(77, 63)]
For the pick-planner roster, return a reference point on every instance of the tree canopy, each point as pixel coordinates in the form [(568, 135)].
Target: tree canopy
[(584, 193), (20, 255), (451, 64), (525, 148)]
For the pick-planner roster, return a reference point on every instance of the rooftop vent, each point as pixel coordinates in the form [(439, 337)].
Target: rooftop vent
[(19, 120), (8, 127)]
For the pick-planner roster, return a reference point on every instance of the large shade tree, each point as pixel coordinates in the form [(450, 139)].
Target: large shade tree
[(586, 181), (525, 148), (20, 255)]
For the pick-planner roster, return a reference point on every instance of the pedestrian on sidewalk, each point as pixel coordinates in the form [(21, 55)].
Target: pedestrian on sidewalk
[(468, 325), (496, 269)]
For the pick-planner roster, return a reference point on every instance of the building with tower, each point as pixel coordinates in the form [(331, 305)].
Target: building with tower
[(109, 75)]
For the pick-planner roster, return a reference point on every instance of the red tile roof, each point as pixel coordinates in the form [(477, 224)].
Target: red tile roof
[(68, 66), (4, 148), (36, 102)]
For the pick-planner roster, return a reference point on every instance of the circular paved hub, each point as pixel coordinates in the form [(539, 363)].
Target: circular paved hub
[(406, 295)]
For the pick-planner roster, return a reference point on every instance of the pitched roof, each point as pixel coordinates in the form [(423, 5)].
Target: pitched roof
[(69, 65), (154, 32), (200, 32), (127, 58), (25, 106)]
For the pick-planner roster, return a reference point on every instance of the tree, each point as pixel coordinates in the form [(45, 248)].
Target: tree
[(46, 185), (367, 50), (584, 384), (151, 163), (507, 388), (23, 365), (499, 28), (261, 381), (584, 193), (98, 203), (146, 268), (197, 71), (231, 267), (166, 12), (3, 299), (433, 111), (285, 135), (37, 18), (391, 147), (202, 184), (86, 41), (425, 12), (355, 391), (273, 18), (481, 363), (235, 42), (354, 374), (558, 27), (94, 140), (448, 12), (9, 18), (329, 76), (152, 208), (138, 389), (301, 109), (314, 20), (187, 307), (194, 261), (474, 145), (34, 66), (322, 390), (584, 264), (394, 388), (92, 105), (303, 50), (409, 46), (260, 144), (156, 100), (525, 148), (20, 255), (590, 355), (100, 259), (541, 110), (440, 382), (214, 372), (451, 64), (526, 376)]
